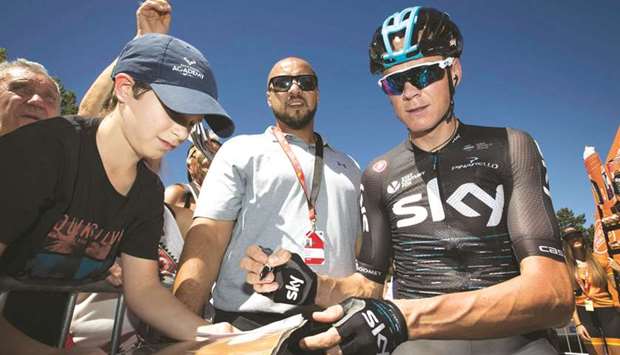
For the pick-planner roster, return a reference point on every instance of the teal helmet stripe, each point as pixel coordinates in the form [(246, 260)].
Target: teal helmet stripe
[(398, 24)]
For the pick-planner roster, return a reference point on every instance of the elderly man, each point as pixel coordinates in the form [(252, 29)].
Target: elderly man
[(284, 188), (27, 94)]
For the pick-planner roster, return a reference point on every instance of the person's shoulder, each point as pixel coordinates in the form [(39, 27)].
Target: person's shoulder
[(381, 164), (515, 133), (46, 127), (342, 157), (242, 140), (83, 122), (243, 147), (61, 131)]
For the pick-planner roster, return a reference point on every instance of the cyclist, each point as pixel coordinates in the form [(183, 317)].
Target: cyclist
[(463, 214)]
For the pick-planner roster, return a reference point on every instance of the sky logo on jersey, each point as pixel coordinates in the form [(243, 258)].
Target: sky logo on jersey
[(365, 227), (415, 214)]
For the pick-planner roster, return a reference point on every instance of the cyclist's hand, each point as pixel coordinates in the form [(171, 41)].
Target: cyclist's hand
[(362, 326), (254, 262), (281, 276)]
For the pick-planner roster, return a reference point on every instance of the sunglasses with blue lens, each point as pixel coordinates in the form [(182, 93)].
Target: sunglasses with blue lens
[(419, 76)]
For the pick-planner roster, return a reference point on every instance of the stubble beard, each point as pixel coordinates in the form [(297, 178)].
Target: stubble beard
[(296, 120)]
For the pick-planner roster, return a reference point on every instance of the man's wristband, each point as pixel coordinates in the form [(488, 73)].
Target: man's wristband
[(576, 325)]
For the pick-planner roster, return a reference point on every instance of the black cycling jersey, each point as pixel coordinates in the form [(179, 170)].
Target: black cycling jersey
[(458, 219)]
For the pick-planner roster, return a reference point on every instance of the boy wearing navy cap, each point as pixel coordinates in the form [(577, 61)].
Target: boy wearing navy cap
[(86, 195)]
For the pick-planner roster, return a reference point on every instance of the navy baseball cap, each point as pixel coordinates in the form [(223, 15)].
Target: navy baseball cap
[(179, 75)]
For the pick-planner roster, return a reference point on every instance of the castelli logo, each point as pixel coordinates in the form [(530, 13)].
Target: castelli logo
[(379, 166)]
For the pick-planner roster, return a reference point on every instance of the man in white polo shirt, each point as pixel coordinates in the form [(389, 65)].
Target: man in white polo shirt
[(276, 190)]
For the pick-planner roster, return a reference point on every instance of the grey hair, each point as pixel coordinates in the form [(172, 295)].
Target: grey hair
[(28, 65)]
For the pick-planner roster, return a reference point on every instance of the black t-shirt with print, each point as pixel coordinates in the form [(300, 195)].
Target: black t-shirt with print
[(61, 217), (93, 223)]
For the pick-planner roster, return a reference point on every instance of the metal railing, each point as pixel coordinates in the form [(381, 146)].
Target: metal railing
[(570, 343), (8, 284)]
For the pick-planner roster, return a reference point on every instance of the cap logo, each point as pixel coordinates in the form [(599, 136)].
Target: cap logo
[(188, 70)]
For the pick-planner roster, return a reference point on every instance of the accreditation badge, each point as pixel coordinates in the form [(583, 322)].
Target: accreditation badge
[(314, 248), (589, 305)]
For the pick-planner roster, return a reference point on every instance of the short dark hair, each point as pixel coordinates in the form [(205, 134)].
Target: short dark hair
[(139, 88)]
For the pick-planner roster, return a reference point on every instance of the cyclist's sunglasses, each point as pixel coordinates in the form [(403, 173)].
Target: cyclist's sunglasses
[(284, 82), (419, 76)]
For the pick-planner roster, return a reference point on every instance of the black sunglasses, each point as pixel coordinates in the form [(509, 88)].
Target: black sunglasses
[(283, 83)]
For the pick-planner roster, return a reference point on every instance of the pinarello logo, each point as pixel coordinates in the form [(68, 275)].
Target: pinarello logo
[(379, 166)]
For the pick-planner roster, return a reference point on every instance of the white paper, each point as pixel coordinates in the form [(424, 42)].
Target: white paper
[(291, 322), (261, 303)]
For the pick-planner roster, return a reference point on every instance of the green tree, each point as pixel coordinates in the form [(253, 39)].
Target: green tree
[(567, 218), (68, 104)]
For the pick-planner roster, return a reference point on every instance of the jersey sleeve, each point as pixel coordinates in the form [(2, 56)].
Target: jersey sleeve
[(532, 224), (32, 160), (376, 250), (222, 190)]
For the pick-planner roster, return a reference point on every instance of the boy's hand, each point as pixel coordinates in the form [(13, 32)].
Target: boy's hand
[(153, 16), (115, 277)]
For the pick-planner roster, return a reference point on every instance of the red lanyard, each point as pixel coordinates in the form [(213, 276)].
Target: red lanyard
[(317, 174)]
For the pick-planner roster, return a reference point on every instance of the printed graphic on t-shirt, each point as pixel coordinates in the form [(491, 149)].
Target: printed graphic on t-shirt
[(75, 248), (167, 265)]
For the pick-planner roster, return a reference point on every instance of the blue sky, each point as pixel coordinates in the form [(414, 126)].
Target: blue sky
[(547, 67)]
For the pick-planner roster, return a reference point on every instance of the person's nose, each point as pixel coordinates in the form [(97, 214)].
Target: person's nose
[(38, 101), (410, 91), (180, 132), (295, 88)]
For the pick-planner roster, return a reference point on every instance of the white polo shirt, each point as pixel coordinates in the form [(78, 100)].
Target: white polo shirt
[(252, 181)]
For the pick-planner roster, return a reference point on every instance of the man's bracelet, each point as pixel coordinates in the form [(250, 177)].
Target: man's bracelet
[(576, 325)]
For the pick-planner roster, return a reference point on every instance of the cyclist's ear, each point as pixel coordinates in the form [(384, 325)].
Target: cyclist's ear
[(457, 72)]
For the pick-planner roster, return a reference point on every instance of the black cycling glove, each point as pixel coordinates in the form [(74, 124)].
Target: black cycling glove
[(296, 283), (370, 327)]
